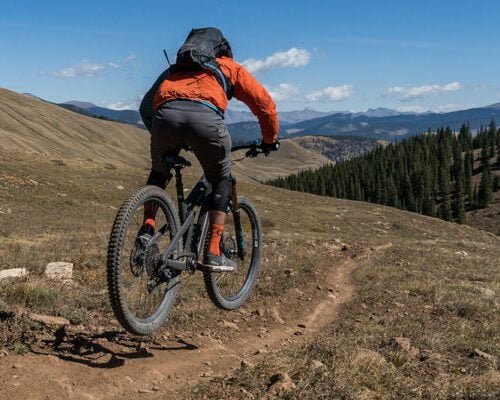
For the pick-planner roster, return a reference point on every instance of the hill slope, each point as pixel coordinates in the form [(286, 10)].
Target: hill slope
[(31, 125), (35, 126)]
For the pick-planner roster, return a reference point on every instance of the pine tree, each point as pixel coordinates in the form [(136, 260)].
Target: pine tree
[(484, 195), (458, 203), (468, 176), (492, 133)]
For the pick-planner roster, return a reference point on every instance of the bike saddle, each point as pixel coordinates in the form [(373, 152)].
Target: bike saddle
[(177, 161)]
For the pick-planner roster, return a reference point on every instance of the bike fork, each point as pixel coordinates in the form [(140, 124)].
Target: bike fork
[(237, 221)]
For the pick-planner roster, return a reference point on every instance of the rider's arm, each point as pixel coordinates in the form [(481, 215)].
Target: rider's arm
[(146, 107), (254, 95)]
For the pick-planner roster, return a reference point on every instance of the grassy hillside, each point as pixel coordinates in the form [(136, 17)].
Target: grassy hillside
[(291, 158), (354, 301), (34, 126), (392, 304), (31, 125)]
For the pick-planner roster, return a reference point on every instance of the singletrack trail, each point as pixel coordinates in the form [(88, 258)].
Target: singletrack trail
[(109, 364)]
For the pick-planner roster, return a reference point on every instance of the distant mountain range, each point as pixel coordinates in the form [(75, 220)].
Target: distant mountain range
[(126, 116), (375, 123), (392, 127)]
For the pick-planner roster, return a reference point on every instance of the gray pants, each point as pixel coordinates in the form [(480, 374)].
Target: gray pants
[(180, 124)]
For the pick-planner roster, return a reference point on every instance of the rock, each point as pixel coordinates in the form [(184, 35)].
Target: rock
[(316, 364), (144, 391), (276, 315), (344, 248), (246, 365), (289, 271), (59, 270), (462, 253), (261, 351), (490, 357), (49, 320), (120, 187), (487, 292), (261, 311), (281, 383), (13, 273), (302, 325), (207, 374), (231, 325)]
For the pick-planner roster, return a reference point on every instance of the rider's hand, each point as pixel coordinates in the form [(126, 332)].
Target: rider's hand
[(268, 147)]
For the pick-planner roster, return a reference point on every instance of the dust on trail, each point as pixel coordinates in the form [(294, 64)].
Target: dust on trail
[(110, 365)]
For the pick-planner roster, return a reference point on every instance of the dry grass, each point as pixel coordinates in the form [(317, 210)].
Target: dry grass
[(423, 289), (432, 287)]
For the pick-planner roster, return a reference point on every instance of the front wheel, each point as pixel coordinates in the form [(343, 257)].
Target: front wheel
[(242, 242)]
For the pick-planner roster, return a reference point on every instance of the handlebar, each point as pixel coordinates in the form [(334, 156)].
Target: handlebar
[(255, 149)]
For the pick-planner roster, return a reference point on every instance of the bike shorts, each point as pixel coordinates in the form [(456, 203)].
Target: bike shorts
[(182, 124)]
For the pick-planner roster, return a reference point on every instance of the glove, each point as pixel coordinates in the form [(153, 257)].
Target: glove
[(268, 147)]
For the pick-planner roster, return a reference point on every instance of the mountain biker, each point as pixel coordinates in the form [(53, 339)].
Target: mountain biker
[(185, 109)]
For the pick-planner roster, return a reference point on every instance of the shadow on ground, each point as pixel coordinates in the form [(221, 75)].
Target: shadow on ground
[(104, 350)]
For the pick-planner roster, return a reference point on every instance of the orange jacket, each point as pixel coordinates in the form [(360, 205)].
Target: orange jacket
[(205, 87)]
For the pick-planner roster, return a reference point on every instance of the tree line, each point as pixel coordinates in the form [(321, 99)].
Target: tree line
[(429, 174)]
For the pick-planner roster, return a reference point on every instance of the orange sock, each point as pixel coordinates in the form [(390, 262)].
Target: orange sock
[(151, 222), (215, 236)]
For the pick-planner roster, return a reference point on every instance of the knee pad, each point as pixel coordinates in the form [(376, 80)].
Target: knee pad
[(157, 179), (220, 198)]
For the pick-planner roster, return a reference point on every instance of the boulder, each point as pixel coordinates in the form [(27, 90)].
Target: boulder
[(281, 383), (13, 273), (59, 270)]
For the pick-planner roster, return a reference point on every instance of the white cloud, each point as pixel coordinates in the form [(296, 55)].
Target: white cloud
[(414, 92), (120, 105), (284, 91), (331, 93), (291, 58), (85, 69)]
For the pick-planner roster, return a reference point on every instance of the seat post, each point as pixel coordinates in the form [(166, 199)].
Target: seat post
[(179, 187)]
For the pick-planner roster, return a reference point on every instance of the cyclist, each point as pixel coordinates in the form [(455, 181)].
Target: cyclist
[(185, 109)]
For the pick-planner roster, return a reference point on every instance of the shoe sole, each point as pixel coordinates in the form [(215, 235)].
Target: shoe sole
[(218, 268)]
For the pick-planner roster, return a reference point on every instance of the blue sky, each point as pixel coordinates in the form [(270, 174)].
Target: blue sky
[(327, 55)]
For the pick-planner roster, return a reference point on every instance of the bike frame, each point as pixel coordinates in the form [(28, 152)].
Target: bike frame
[(193, 233)]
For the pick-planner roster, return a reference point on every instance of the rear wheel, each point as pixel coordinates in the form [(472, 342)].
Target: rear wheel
[(229, 290), (140, 298)]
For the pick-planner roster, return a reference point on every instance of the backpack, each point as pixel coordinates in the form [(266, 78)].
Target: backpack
[(199, 52)]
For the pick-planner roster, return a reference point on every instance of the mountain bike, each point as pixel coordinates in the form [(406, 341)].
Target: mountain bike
[(143, 280)]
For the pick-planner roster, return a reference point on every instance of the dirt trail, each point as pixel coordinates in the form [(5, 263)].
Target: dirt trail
[(112, 365)]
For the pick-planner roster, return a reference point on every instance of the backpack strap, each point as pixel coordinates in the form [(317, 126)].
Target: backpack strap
[(223, 80)]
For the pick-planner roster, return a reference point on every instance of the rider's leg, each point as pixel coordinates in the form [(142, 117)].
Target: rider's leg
[(219, 204), (164, 140), (211, 143)]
